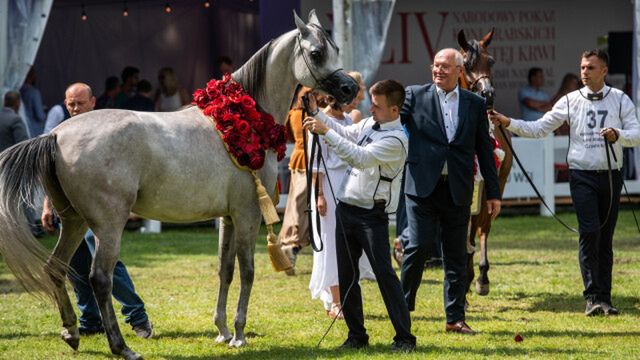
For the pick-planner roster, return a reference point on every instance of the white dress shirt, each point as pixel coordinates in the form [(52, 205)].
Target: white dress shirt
[(372, 155), (449, 105)]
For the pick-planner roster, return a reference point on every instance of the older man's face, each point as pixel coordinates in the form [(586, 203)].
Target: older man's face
[(445, 71), (79, 101)]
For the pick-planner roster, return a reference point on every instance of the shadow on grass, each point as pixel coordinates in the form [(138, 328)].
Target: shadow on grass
[(571, 303), (10, 287), (567, 333), (426, 350)]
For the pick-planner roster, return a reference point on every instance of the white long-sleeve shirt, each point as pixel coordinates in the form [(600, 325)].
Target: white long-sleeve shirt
[(375, 157), (586, 118)]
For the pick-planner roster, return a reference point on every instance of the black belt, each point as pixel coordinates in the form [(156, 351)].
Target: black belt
[(443, 177), (380, 202)]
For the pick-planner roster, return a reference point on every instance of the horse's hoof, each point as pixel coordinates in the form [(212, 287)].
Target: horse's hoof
[(223, 339), (237, 343), (72, 338), (482, 289), (129, 354)]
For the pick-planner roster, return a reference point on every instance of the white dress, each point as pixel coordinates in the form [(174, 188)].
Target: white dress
[(325, 266)]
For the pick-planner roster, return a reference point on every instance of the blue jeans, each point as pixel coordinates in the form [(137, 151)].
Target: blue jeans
[(123, 290)]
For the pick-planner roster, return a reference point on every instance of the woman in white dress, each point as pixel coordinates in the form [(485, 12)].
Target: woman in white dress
[(324, 275)]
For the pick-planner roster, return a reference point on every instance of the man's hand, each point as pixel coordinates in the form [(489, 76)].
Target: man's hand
[(48, 217), (322, 205), (610, 134), (498, 119), (315, 126), (493, 208)]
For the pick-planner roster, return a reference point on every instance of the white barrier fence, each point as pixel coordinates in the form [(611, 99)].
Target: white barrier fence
[(538, 156)]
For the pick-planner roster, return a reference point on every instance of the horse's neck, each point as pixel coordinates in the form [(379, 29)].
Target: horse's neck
[(462, 82), (277, 83)]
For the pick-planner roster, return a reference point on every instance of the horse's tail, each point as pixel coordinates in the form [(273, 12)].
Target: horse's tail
[(23, 169)]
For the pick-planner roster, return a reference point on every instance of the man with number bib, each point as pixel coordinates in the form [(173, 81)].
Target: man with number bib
[(597, 114)]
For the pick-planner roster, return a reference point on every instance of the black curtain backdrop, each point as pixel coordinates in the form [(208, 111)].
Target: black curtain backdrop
[(189, 39)]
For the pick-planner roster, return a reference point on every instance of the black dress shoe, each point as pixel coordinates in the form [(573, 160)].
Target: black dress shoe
[(352, 343), (609, 309), (593, 308), (403, 346)]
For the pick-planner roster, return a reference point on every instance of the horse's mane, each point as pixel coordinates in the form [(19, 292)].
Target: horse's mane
[(254, 71)]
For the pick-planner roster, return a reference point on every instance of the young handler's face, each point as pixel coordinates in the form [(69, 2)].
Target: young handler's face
[(592, 72)]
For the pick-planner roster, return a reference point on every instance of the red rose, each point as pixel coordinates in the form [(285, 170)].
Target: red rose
[(256, 161), (247, 102), (243, 127)]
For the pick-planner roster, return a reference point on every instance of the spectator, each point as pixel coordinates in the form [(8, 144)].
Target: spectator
[(78, 100), (170, 95), (141, 101), (533, 100), (12, 129), (570, 82), (32, 102), (111, 89), (355, 114), (130, 77)]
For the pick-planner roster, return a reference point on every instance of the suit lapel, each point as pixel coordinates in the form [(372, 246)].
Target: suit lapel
[(463, 105), (435, 104)]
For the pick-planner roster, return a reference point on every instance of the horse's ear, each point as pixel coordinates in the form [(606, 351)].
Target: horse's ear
[(462, 40), (313, 18), (486, 40), (302, 27)]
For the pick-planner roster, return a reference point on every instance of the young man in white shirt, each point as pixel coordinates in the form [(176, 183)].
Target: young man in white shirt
[(376, 150), (594, 113)]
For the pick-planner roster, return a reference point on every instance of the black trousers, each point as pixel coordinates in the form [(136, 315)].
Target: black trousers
[(592, 196), (358, 230), (425, 216)]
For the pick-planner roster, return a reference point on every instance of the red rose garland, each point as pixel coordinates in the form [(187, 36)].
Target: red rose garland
[(247, 132)]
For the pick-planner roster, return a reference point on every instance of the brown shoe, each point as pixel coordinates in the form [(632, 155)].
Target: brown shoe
[(460, 327)]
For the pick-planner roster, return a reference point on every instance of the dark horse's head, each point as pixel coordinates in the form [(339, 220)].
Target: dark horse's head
[(477, 66), (317, 64)]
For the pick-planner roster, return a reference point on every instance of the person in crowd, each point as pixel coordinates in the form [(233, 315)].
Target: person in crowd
[(355, 114), (170, 95), (600, 118), (111, 89), (142, 100), (447, 126), (294, 234), (225, 65), (533, 100), (329, 175), (79, 100), (32, 102), (375, 150), (12, 131), (130, 76), (570, 82), (12, 128)]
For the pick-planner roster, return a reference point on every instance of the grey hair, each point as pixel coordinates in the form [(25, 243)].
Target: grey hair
[(459, 59)]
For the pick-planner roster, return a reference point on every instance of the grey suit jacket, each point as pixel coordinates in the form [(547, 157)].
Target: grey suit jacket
[(12, 129)]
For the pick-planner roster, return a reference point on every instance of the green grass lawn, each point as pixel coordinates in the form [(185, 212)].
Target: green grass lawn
[(535, 291)]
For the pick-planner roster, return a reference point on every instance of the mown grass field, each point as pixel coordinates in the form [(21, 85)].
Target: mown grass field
[(536, 291)]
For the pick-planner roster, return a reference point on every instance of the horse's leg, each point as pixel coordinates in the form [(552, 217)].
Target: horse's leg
[(226, 255), (471, 246), (482, 284), (71, 234), (245, 248), (107, 251)]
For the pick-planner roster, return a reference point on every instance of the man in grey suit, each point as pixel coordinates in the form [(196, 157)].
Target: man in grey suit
[(447, 126), (12, 129)]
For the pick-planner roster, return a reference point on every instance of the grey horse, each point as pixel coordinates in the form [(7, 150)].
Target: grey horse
[(99, 166)]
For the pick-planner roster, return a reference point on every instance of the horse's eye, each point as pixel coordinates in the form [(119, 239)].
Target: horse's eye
[(491, 61), (316, 55)]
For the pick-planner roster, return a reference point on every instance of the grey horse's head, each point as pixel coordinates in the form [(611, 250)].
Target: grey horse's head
[(316, 63)]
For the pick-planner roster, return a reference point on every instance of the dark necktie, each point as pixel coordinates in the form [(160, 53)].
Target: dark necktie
[(376, 126), (595, 96)]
